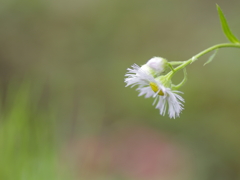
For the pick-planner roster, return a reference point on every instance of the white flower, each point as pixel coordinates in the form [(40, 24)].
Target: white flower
[(158, 64), (149, 86)]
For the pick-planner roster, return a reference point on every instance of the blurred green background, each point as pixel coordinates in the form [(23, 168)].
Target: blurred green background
[(65, 112)]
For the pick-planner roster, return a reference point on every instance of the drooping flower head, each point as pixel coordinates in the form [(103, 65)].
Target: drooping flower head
[(150, 84)]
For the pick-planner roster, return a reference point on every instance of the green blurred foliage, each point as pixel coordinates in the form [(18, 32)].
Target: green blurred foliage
[(81, 50), (27, 134)]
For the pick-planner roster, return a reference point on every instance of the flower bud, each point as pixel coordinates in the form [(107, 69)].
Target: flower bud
[(158, 64), (155, 66)]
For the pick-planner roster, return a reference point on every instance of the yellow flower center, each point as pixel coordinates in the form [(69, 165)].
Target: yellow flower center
[(155, 89)]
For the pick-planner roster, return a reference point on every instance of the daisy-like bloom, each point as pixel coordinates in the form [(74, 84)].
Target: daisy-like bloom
[(149, 86), (165, 98)]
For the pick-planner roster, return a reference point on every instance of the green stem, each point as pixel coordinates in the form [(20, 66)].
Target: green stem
[(173, 63), (194, 58)]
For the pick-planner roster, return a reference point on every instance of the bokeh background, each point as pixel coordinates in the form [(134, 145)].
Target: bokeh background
[(65, 112)]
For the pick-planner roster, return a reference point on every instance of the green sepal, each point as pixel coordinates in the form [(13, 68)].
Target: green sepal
[(226, 28), (211, 57)]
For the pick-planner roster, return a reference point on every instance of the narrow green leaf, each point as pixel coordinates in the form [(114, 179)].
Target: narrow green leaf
[(211, 57), (225, 27)]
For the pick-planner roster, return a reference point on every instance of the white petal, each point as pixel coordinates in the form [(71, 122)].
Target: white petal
[(172, 101)]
